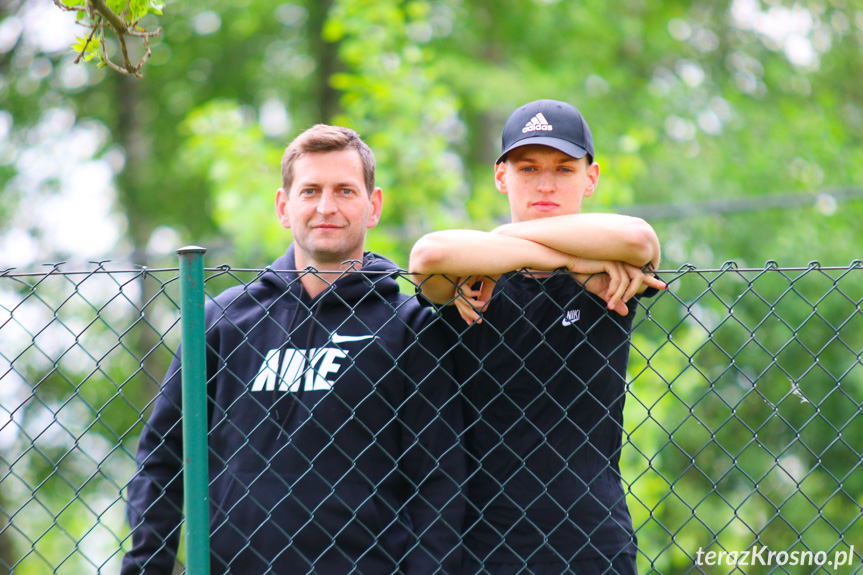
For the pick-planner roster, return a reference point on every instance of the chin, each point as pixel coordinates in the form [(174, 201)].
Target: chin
[(540, 214), (335, 255)]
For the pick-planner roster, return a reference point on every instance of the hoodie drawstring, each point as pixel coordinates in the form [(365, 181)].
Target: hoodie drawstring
[(282, 352), (307, 364)]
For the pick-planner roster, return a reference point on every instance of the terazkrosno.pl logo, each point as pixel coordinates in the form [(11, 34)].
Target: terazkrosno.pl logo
[(761, 555)]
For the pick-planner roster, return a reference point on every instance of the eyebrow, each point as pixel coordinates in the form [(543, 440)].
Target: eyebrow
[(563, 159), (313, 184)]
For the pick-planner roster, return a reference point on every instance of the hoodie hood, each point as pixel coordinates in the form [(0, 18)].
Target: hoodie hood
[(347, 287)]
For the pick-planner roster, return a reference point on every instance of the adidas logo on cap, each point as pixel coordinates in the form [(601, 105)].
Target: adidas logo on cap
[(529, 124), (537, 124)]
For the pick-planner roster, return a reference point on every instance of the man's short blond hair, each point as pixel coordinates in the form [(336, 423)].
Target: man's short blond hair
[(325, 138)]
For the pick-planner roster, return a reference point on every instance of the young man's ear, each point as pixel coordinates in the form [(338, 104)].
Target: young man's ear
[(282, 208), (500, 177), (592, 179), (377, 200)]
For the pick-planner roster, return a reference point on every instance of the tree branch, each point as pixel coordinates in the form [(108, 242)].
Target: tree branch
[(87, 43), (59, 4), (101, 15), (112, 18)]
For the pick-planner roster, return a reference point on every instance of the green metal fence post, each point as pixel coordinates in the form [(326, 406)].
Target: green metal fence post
[(195, 471)]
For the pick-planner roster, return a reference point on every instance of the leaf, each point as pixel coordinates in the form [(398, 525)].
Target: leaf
[(89, 49), (138, 9), (80, 45)]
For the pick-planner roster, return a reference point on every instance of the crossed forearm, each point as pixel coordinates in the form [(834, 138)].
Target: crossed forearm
[(609, 237), (467, 252)]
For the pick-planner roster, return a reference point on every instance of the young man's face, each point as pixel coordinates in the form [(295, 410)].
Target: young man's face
[(542, 182), (328, 208)]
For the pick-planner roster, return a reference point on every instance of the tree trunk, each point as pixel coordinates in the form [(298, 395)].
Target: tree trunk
[(135, 141), (326, 54)]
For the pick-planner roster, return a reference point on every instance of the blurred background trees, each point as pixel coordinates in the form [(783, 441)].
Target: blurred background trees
[(690, 102), (735, 128)]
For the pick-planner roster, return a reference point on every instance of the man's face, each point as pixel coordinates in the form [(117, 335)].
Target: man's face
[(543, 182), (328, 208)]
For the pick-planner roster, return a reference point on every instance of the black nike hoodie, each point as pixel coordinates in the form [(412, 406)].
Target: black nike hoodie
[(333, 434)]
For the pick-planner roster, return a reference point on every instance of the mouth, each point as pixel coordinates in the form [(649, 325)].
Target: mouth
[(545, 206), (326, 227)]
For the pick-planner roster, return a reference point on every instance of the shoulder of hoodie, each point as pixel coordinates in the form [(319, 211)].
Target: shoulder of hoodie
[(412, 312), (233, 299), (407, 307)]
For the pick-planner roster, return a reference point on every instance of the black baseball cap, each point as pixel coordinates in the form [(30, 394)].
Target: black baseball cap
[(549, 123)]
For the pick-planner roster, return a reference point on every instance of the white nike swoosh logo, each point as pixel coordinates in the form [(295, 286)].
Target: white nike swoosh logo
[(347, 338), (570, 317)]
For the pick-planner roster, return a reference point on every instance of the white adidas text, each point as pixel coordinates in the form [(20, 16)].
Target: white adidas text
[(537, 124)]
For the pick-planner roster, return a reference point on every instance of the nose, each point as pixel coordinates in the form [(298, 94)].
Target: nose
[(327, 203), (545, 183)]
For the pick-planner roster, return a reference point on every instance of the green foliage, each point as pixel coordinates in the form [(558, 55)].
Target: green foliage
[(131, 10), (90, 48), (121, 18), (742, 417), (135, 9), (689, 103), (394, 97), (241, 168)]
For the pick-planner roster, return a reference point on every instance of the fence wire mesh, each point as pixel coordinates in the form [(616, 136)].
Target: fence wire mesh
[(742, 430)]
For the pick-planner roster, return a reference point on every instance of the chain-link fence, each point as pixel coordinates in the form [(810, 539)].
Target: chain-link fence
[(742, 435)]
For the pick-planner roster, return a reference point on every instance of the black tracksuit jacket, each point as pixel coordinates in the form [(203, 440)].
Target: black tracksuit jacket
[(333, 435)]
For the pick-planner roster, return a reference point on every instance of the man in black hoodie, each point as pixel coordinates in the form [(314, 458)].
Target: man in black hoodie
[(543, 355), (333, 421)]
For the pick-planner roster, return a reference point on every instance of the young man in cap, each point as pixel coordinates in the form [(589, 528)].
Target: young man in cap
[(543, 355)]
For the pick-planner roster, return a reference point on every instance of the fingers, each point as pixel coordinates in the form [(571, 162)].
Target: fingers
[(486, 290), (625, 282), (636, 278), (619, 281), (621, 308), (639, 278), (468, 311), (651, 280), (471, 302)]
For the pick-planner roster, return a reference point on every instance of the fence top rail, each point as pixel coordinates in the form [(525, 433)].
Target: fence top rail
[(728, 266)]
